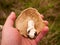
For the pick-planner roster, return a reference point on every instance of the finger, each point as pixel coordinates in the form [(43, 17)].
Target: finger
[(10, 20), (42, 34), (41, 16), (45, 22)]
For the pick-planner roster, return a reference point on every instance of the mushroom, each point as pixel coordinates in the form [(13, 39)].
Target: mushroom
[(31, 31), (29, 22)]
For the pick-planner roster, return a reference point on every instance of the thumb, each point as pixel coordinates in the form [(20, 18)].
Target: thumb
[(10, 20)]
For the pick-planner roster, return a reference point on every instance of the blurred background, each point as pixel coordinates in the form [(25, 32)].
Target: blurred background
[(49, 8)]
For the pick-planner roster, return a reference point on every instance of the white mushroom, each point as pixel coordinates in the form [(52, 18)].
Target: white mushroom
[(31, 29)]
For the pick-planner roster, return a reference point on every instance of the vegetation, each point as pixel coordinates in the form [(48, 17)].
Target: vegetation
[(49, 8)]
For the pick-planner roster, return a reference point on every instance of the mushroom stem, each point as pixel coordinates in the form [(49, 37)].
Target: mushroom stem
[(31, 29), (30, 25)]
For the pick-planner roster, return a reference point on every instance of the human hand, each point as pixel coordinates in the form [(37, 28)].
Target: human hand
[(11, 36)]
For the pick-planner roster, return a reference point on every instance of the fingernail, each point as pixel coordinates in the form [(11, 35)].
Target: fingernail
[(12, 13), (42, 16), (45, 29), (46, 22)]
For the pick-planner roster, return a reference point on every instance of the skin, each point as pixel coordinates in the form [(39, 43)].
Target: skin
[(11, 36)]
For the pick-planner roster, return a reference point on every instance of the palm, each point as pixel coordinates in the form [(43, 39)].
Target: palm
[(26, 41)]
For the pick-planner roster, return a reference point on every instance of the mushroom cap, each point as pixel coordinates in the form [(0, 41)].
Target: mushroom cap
[(21, 22)]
